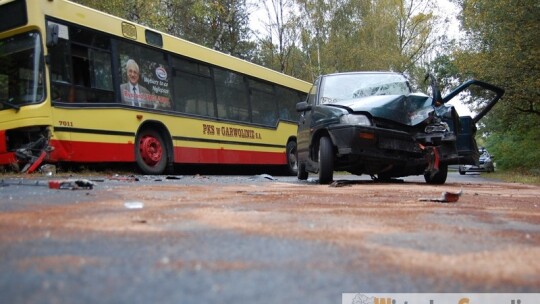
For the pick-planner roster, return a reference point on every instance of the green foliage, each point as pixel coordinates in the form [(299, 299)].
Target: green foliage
[(516, 150), (503, 48), (353, 35), (218, 24)]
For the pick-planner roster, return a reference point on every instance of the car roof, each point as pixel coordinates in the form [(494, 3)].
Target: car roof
[(363, 72)]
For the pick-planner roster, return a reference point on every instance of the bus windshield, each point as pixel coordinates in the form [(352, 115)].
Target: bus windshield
[(21, 71)]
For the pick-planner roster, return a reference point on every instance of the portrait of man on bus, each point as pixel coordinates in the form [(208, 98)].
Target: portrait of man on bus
[(132, 92)]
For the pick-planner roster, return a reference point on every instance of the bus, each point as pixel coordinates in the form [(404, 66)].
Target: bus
[(81, 86)]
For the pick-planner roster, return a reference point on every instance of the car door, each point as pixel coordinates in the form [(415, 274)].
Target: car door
[(305, 123), (466, 143)]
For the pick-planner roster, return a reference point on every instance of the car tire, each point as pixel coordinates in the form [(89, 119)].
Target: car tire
[(292, 158), (461, 171), (326, 161), (151, 152), (302, 172), (438, 178), (384, 177)]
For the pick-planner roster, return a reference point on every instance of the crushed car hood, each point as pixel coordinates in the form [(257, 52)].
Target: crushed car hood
[(408, 110)]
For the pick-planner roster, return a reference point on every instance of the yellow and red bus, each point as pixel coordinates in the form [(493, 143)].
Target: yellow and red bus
[(78, 85)]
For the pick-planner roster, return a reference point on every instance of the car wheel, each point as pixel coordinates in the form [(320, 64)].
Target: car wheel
[(326, 161), (302, 173), (151, 152), (438, 178), (384, 177), (461, 171), (292, 160)]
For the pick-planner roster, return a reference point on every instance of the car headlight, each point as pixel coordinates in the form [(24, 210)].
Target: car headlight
[(355, 119)]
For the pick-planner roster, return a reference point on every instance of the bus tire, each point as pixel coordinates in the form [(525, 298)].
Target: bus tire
[(292, 159), (151, 152), (302, 172)]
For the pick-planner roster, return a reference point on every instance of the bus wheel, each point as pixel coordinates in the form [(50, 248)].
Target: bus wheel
[(292, 160), (151, 152)]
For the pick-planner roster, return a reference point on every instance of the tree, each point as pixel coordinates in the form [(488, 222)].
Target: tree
[(503, 48), (347, 35), (218, 24), (281, 34), (145, 12)]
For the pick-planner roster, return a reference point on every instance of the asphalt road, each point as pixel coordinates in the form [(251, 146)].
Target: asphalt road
[(261, 239)]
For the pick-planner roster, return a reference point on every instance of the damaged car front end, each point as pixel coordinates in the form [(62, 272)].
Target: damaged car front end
[(372, 123)]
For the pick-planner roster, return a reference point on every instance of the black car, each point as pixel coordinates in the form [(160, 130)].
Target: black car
[(372, 123)]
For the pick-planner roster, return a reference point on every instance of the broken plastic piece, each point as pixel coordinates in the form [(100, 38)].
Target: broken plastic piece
[(71, 184), (264, 176), (133, 205), (446, 197), (48, 170), (37, 162)]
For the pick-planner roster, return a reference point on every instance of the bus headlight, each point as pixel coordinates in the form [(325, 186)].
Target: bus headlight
[(355, 119)]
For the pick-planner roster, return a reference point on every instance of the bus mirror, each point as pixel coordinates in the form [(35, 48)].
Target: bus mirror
[(52, 35)]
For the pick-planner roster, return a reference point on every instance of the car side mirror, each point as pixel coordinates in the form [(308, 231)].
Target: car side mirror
[(303, 107)]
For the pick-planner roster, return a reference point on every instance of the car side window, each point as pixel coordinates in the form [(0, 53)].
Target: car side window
[(312, 95)]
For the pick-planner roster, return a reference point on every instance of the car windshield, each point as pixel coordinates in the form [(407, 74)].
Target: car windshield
[(21, 71), (349, 86)]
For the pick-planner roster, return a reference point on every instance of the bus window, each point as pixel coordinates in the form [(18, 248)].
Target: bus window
[(287, 100), (100, 70), (60, 64), (263, 103), (21, 70), (231, 93), (193, 88), (144, 75), (80, 67)]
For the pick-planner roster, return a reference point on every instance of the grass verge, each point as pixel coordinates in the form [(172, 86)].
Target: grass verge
[(513, 176)]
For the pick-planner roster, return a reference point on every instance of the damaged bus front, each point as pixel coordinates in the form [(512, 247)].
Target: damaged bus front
[(24, 116)]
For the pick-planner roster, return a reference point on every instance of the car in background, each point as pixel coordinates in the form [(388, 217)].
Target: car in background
[(373, 123), (485, 164)]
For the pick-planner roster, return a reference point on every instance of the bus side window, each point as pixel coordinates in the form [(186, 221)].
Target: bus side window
[(81, 67), (100, 70), (287, 100), (193, 88), (263, 103), (60, 64), (232, 95), (60, 71)]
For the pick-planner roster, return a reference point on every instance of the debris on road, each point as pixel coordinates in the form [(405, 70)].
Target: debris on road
[(77, 184), (264, 176), (48, 169), (130, 178), (446, 197), (340, 183), (69, 184), (133, 205)]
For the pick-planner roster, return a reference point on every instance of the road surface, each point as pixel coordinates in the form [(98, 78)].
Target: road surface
[(262, 239)]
